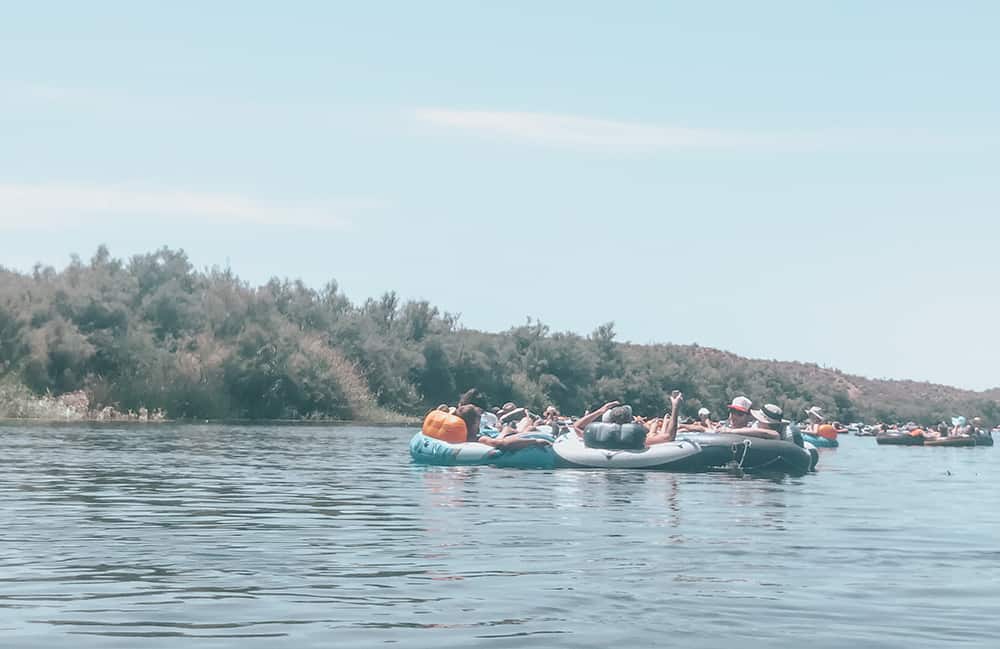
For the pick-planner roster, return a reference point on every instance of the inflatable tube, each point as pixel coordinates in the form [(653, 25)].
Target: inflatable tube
[(570, 451), (813, 455), (530, 457), (826, 430), (897, 439), (820, 442), (958, 440), (983, 439), (427, 450), (755, 454), (615, 437)]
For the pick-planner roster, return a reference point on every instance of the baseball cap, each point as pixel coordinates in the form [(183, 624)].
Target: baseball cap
[(742, 404)]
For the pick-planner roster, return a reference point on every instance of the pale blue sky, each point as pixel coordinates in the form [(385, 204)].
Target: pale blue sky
[(797, 180)]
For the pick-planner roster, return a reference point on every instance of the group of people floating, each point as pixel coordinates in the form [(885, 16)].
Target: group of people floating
[(959, 427), (510, 427)]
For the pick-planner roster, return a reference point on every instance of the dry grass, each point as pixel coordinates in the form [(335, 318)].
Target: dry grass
[(18, 402)]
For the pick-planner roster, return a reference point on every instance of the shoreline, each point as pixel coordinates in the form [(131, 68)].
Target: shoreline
[(409, 423)]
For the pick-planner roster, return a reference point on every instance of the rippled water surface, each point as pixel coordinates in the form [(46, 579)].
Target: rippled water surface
[(225, 536)]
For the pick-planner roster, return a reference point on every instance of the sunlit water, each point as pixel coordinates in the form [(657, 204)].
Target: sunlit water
[(223, 536)]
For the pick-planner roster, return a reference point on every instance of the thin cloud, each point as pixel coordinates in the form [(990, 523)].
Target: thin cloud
[(58, 204), (618, 137), (132, 106), (584, 133)]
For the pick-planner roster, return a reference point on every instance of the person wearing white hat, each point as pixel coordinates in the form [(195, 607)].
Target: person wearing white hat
[(815, 414), (705, 417), (769, 420), (703, 425), (739, 422), (816, 418)]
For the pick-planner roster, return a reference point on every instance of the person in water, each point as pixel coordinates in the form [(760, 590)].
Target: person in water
[(624, 412), (703, 425), (552, 416), (472, 414), (770, 422), (816, 419), (669, 431), (742, 422), (960, 427), (739, 416), (659, 431)]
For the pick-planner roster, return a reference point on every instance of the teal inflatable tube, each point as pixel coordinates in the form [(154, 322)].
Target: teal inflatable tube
[(820, 442), (427, 450), (531, 457)]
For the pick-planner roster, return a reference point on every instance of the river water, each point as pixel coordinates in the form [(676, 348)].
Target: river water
[(261, 536)]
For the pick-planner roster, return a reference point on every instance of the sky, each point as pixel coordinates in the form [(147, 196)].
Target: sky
[(811, 181)]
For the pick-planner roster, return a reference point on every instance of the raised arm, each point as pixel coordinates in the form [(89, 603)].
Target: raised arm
[(670, 431), (584, 421), (514, 442)]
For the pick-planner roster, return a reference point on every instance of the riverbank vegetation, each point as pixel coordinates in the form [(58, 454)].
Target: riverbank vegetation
[(153, 334)]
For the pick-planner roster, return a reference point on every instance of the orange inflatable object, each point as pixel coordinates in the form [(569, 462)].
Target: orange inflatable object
[(827, 431), (917, 432), (445, 427)]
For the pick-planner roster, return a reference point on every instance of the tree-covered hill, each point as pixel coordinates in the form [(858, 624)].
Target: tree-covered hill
[(153, 332)]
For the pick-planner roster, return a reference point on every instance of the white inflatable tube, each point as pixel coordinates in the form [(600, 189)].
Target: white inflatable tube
[(570, 450)]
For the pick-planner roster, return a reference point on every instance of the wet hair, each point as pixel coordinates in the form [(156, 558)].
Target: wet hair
[(471, 415)]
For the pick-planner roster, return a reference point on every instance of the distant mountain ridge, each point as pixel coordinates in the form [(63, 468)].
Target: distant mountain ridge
[(885, 399)]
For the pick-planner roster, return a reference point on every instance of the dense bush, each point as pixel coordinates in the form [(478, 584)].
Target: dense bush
[(153, 332)]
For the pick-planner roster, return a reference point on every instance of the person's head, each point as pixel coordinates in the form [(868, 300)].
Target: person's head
[(618, 415), (739, 411), (470, 414), (471, 396), (551, 412), (511, 413), (703, 413), (768, 416)]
